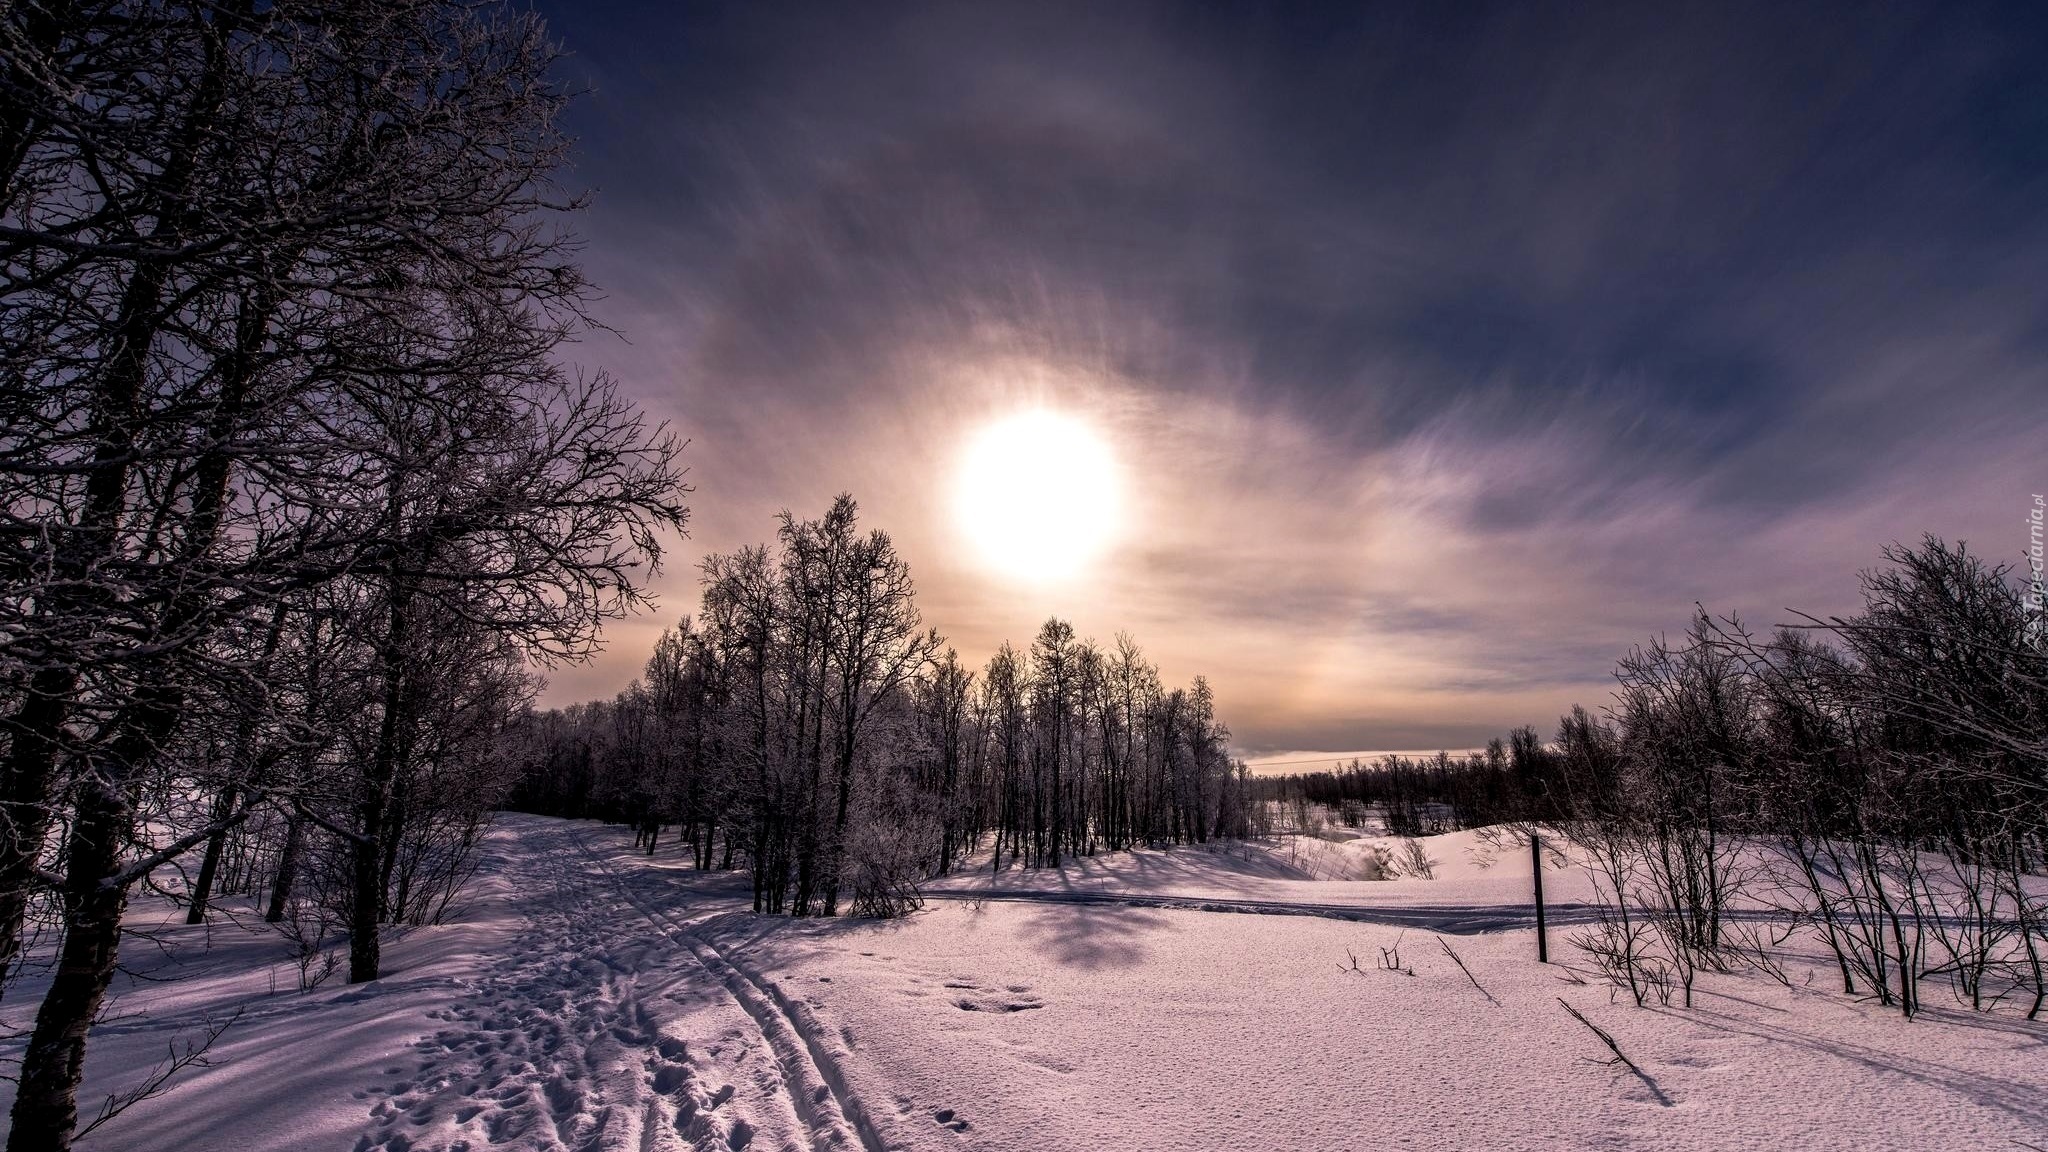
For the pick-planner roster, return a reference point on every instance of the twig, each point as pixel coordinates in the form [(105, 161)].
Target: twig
[(1460, 962), (1619, 1056), (1604, 1037), (1390, 958), (157, 1082)]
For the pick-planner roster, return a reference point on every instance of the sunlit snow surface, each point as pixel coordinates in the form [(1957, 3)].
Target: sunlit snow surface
[(588, 997)]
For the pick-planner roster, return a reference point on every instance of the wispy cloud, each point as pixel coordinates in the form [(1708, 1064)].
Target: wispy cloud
[(1437, 377)]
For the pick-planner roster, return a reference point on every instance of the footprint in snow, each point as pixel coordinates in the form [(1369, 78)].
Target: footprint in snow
[(670, 1079), (1016, 998)]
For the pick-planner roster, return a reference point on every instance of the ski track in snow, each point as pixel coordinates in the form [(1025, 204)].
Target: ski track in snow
[(818, 1087), (616, 1020), (592, 999), (604, 1029)]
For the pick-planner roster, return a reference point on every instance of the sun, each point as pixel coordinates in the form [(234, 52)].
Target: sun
[(1038, 495)]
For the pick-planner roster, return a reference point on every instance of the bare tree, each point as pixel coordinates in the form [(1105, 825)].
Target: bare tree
[(853, 759), (241, 247)]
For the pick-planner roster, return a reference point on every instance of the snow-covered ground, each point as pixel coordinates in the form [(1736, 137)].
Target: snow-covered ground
[(1470, 872), (591, 998)]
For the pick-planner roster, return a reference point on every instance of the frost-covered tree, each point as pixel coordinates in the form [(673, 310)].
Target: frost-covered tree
[(263, 266), (806, 718)]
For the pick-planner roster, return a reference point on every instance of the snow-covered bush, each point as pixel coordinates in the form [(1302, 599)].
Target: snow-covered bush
[(886, 848)]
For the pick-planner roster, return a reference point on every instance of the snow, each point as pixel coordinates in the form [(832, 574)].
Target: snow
[(1334, 868), (589, 997)]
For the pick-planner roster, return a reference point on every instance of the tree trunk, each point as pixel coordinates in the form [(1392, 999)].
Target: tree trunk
[(209, 865), (46, 1104), (366, 904), (393, 835), (27, 811), (95, 895), (287, 869), (844, 803)]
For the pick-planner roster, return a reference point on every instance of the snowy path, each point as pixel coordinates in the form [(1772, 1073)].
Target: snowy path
[(818, 1091), (608, 1025)]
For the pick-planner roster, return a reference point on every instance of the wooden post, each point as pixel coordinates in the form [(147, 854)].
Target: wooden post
[(1536, 858)]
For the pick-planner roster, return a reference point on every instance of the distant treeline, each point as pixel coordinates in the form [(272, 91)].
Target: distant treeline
[(1881, 777), (1513, 779), (808, 727)]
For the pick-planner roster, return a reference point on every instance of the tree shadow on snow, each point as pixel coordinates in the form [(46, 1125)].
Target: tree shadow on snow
[(2024, 1100), (1093, 938)]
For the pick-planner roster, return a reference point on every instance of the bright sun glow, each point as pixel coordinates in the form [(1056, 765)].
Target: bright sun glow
[(1038, 495)]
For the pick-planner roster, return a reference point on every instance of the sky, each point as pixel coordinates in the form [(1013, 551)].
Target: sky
[(1439, 352)]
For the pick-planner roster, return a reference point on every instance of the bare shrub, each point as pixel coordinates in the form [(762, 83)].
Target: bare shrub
[(308, 929), (1416, 860), (1757, 946), (1621, 941)]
